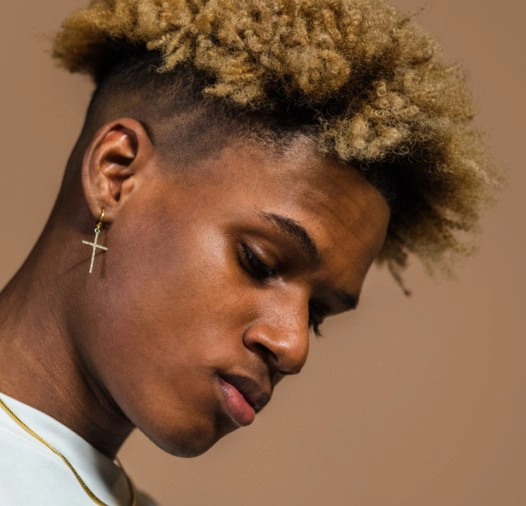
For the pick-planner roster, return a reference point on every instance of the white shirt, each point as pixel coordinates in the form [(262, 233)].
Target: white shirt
[(32, 475)]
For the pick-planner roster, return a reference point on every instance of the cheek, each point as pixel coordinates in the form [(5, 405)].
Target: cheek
[(157, 290), (170, 302)]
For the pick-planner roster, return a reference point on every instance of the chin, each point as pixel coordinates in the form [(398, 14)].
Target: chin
[(190, 441)]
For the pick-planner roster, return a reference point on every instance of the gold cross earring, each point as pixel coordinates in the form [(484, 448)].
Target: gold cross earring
[(95, 245)]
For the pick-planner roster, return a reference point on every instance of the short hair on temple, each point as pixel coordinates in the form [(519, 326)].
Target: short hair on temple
[(183, 122)]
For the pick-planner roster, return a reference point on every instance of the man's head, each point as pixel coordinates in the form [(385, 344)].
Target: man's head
[(253, 160), (211, 285)]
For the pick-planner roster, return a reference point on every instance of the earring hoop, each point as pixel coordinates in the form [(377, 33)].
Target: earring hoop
[(100, 222)]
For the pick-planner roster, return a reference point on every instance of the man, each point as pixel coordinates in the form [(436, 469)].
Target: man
[(241, 166)]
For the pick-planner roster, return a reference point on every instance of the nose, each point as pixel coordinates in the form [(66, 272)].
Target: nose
[(281, 334)]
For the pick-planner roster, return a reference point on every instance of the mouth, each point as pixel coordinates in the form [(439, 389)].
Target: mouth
[(243, 398)]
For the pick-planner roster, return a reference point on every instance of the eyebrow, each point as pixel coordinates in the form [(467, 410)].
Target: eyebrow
[(297, 232)]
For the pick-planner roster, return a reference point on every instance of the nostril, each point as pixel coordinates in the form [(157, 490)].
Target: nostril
[(266, 353), (281, 345), (278, 360)]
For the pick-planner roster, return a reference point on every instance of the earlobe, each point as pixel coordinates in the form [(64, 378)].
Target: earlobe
[(111, 163)]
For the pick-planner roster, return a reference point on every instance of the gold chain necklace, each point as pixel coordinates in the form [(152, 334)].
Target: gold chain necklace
[(86, 489)]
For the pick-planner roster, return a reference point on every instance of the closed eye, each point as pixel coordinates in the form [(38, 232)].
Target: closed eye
[(254, 266)]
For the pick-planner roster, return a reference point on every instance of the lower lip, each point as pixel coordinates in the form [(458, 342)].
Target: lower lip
[(241, 412)]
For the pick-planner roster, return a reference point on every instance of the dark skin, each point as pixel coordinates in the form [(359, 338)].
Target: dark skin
[(212, 279)]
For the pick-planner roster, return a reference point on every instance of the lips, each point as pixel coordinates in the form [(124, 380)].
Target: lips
[(243, 398)]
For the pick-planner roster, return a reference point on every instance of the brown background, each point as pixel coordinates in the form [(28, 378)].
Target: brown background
[(411, 402)]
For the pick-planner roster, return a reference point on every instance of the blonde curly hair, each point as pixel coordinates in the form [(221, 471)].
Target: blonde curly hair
[(379, 93)]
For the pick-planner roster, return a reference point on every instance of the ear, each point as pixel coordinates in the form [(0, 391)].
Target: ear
[(111, 162)]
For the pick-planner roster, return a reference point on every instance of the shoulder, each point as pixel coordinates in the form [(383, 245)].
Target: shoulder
[(29, 473)]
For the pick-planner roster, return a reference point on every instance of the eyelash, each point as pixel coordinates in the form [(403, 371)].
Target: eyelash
[(315, 317), (261, 271), (254, 266)]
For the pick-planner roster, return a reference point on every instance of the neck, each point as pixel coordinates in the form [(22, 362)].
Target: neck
[(39, 363)]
